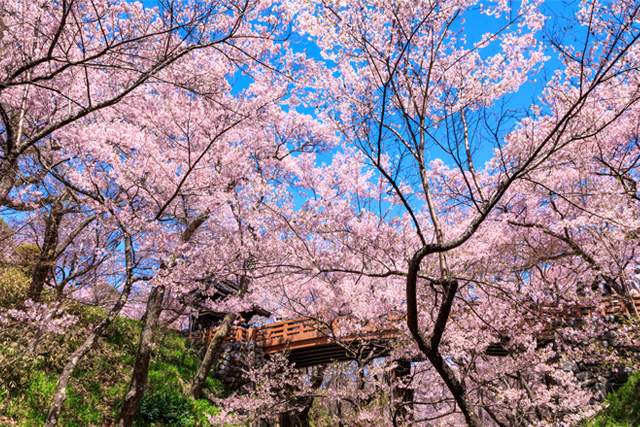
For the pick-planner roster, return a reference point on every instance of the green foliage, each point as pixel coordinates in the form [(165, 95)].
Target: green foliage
[(14, 285), (165, 407), (27, 382), (26, 256), (173, 409), (624, 406), (163, 403), (34, 401), (6, 233)]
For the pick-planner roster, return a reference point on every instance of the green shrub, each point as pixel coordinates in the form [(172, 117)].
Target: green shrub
[(171, 408), (14, 285), (624, 406), (26, 256), (167, 407)]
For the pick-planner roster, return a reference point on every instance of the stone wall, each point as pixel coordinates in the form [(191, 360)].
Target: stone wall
[(236, 358), (599, 379)]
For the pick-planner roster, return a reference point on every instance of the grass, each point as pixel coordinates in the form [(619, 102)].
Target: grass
[(27, 382), (624, 406)]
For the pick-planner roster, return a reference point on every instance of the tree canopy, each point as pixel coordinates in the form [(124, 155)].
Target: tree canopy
[(463, 163)]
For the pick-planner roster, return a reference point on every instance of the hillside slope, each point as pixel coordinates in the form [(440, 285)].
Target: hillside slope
[(624, 406), (27, 381)]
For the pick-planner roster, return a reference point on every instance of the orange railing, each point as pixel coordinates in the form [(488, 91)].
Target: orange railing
[(306, 332), (609, 306), (236, 334), (287, 330), (278, 336)]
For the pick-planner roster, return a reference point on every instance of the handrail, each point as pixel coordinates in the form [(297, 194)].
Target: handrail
[(609, 306), (281, 333), (306, 330)]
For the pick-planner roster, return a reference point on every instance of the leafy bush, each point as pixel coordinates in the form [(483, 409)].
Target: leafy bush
[(14, 285), (26, 256), (167, 407), (164, 402), (170, 408)]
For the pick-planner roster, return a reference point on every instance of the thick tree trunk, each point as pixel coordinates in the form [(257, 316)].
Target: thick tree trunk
[(141, 368), (210, 356), (429, 345), (48, 254), (8, 167), (60, 394), (403, 392), (214, 346), (300, 418), (140, 374), (456, 388), (52, 248)]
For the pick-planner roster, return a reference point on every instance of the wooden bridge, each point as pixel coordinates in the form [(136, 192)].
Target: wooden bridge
[(610, 306), (310, 343), (307, 342)]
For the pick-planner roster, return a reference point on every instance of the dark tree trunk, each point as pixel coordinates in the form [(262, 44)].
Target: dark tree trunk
[(300, 418), (214, 346), (429, 345), (403, 392), (8, 167), (210, 356), (60, 394), (52, 248), (140, 373), (48, 254), (141, 368)]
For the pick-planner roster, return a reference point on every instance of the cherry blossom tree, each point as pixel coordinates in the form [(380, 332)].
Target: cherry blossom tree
[(177, 137), (71, 60), (64, 61), (407, 85), (185, 170)]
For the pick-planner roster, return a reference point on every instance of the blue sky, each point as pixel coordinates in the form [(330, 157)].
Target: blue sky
[(476, 26)]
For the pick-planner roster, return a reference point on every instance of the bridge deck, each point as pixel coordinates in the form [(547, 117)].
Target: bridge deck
[(309, 343)]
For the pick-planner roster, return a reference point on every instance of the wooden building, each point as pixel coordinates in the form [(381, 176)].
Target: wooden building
[(205, 317)]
